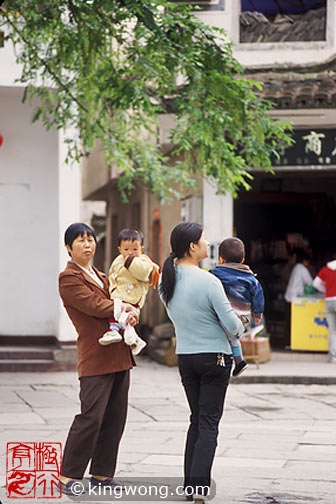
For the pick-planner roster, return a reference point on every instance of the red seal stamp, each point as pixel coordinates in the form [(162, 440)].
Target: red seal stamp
[(32, 470)]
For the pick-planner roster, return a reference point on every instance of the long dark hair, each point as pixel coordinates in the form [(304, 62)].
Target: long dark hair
[(180, 238)]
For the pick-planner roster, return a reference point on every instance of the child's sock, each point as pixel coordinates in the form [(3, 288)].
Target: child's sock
[(237, 355), (238, 358), (114, 326)]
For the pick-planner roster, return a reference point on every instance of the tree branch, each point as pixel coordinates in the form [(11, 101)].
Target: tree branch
[(47, 66), (78, 21)]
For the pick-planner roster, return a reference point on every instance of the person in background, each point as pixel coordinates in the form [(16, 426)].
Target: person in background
[(197, 305), (242, 289), (299, 278), (325, 282)]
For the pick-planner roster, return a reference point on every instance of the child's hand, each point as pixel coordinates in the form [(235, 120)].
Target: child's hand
[(244, 319), (134, 314)]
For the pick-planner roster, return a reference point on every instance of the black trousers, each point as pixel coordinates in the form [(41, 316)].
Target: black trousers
[(96, 432), (205, 385)]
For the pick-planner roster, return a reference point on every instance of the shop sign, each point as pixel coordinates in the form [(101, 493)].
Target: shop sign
[(312, 147), (309, 326)]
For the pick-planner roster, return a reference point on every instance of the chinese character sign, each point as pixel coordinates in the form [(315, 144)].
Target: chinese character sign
[(314, 142), (311, 148), (33, 469)]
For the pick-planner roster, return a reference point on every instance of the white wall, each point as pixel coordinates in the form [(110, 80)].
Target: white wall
[(28, 220), (40, 195), (69, 201), (217, 218), (9, 70)]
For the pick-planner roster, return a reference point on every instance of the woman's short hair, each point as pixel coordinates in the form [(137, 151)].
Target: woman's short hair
[(75, 230)]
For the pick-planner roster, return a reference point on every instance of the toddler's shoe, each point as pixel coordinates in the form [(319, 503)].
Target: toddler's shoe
[(110, 337), (138, 346), (239, 368), (130, 335)]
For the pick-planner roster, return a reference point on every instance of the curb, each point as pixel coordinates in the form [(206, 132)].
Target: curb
[(286, 380)]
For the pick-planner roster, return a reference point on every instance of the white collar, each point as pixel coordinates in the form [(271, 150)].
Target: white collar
[(92, 274)]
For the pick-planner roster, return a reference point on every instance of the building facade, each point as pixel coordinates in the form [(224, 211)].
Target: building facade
[(290, 47), (40, 195)]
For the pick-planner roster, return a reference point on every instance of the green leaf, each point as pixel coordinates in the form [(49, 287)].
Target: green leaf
[(113, 68)]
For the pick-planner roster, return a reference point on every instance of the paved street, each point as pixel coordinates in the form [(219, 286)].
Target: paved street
[(277, 442)]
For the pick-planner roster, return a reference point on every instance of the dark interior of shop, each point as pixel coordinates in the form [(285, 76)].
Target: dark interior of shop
[(279, 213)]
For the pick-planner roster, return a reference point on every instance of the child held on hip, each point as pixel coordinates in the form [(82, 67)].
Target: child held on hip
[(130, 276), (242, 289)]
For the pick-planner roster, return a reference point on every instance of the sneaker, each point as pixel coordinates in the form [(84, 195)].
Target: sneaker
[(73, 487), (256, 330), (108, 482), (239, 368), (200, 499), (110, 337), (138, 346)]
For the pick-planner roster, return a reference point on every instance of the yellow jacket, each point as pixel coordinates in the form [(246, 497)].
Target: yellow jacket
[(130, 278)]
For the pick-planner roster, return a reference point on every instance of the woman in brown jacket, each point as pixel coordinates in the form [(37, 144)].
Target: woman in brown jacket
[(103, 371)]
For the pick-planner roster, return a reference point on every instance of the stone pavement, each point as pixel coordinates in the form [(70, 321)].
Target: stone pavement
[(292, 368), (277, 441)]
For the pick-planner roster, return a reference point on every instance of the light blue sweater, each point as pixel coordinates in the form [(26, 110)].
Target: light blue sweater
[(199, 301)]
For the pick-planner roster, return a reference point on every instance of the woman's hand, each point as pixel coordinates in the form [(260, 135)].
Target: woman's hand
[(134, 313)]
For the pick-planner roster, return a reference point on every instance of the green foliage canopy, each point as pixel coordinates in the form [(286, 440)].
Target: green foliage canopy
[(111, 68)]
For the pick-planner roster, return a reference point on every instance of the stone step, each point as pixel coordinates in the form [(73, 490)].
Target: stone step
[(28, 353), (35, 365), (32, 352), (35, 353), (28, 365), (299, 356)]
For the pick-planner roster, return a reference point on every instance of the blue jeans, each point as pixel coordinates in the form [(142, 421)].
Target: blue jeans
[(205, 384)]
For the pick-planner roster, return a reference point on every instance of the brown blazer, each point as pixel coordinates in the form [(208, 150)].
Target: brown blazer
[(88, 307)]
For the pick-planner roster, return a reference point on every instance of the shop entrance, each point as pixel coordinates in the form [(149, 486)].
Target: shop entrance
[(278, 214)]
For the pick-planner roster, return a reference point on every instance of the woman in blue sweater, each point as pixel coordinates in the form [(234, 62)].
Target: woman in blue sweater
[(202, 315)]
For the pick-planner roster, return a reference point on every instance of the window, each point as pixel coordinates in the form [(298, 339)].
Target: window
[(205, 5), (191, 209), (282, 20)]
